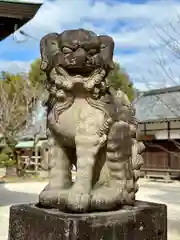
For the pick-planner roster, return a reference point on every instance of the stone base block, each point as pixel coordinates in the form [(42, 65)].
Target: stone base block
[(143, 221)]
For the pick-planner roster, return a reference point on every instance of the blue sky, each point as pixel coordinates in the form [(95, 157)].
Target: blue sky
[(135, 26)]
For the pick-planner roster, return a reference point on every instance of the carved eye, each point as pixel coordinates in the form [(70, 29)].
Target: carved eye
[(103, 45), (54, 44), (66, 50)]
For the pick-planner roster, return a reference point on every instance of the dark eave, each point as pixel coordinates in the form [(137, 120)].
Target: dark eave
[(159, 120), (161, 91), (15, 14)]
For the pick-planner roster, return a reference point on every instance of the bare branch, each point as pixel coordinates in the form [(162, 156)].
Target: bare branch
[(169, 50), (17, 101)]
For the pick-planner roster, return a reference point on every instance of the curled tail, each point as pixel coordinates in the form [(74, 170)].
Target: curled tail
[(123, 153), (126, 112), (137, 161)]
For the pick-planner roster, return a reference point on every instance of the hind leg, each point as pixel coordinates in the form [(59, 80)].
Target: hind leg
[(55, 193), (118, 163)]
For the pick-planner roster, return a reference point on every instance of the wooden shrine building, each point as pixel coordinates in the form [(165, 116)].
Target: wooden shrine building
[(13, 15), (32, 139), (158, 113)]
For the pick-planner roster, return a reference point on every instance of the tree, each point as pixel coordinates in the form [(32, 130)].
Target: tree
[(165, 71), (6, 159), (119, 79), (18, 98), (36, 75)]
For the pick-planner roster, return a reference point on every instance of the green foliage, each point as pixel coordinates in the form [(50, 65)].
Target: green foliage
[(7, 150), (6, 159), (17, 100), (36, 75), (17, 97), (119, 79), (14, 88)]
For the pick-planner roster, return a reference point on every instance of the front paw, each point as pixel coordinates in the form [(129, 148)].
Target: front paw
[(54, 198), (106, 198), (78, 201)]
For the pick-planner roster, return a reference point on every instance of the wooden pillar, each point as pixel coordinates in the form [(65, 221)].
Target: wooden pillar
[(167, 178), (169, 155), (145, 129), (36, 158), (145, 159)]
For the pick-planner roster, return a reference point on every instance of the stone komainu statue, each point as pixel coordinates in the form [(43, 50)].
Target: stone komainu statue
[(89, 125)]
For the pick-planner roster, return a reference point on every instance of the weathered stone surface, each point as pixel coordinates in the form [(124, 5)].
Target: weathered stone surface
[(144, 221), (89, 125)]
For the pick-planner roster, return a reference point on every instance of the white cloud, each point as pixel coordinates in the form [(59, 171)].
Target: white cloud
[(29, 1), (15, 66), (131, 25), (55, 15), (152, 69), (150, 11)]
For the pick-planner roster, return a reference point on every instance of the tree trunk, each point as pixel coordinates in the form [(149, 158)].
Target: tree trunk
[(11, 171)]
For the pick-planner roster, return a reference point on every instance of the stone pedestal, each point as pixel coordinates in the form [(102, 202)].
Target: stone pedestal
[(144, 221)]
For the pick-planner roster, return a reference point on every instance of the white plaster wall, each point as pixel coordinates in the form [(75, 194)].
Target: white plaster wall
[(156, 126), (160, 129)]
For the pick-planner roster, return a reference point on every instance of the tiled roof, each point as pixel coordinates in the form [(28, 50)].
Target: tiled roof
[(159, 104)]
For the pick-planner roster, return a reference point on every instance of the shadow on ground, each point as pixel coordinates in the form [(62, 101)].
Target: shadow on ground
[(8, 197)]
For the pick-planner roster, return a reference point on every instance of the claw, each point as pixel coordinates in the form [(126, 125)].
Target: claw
[(78, 202)]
